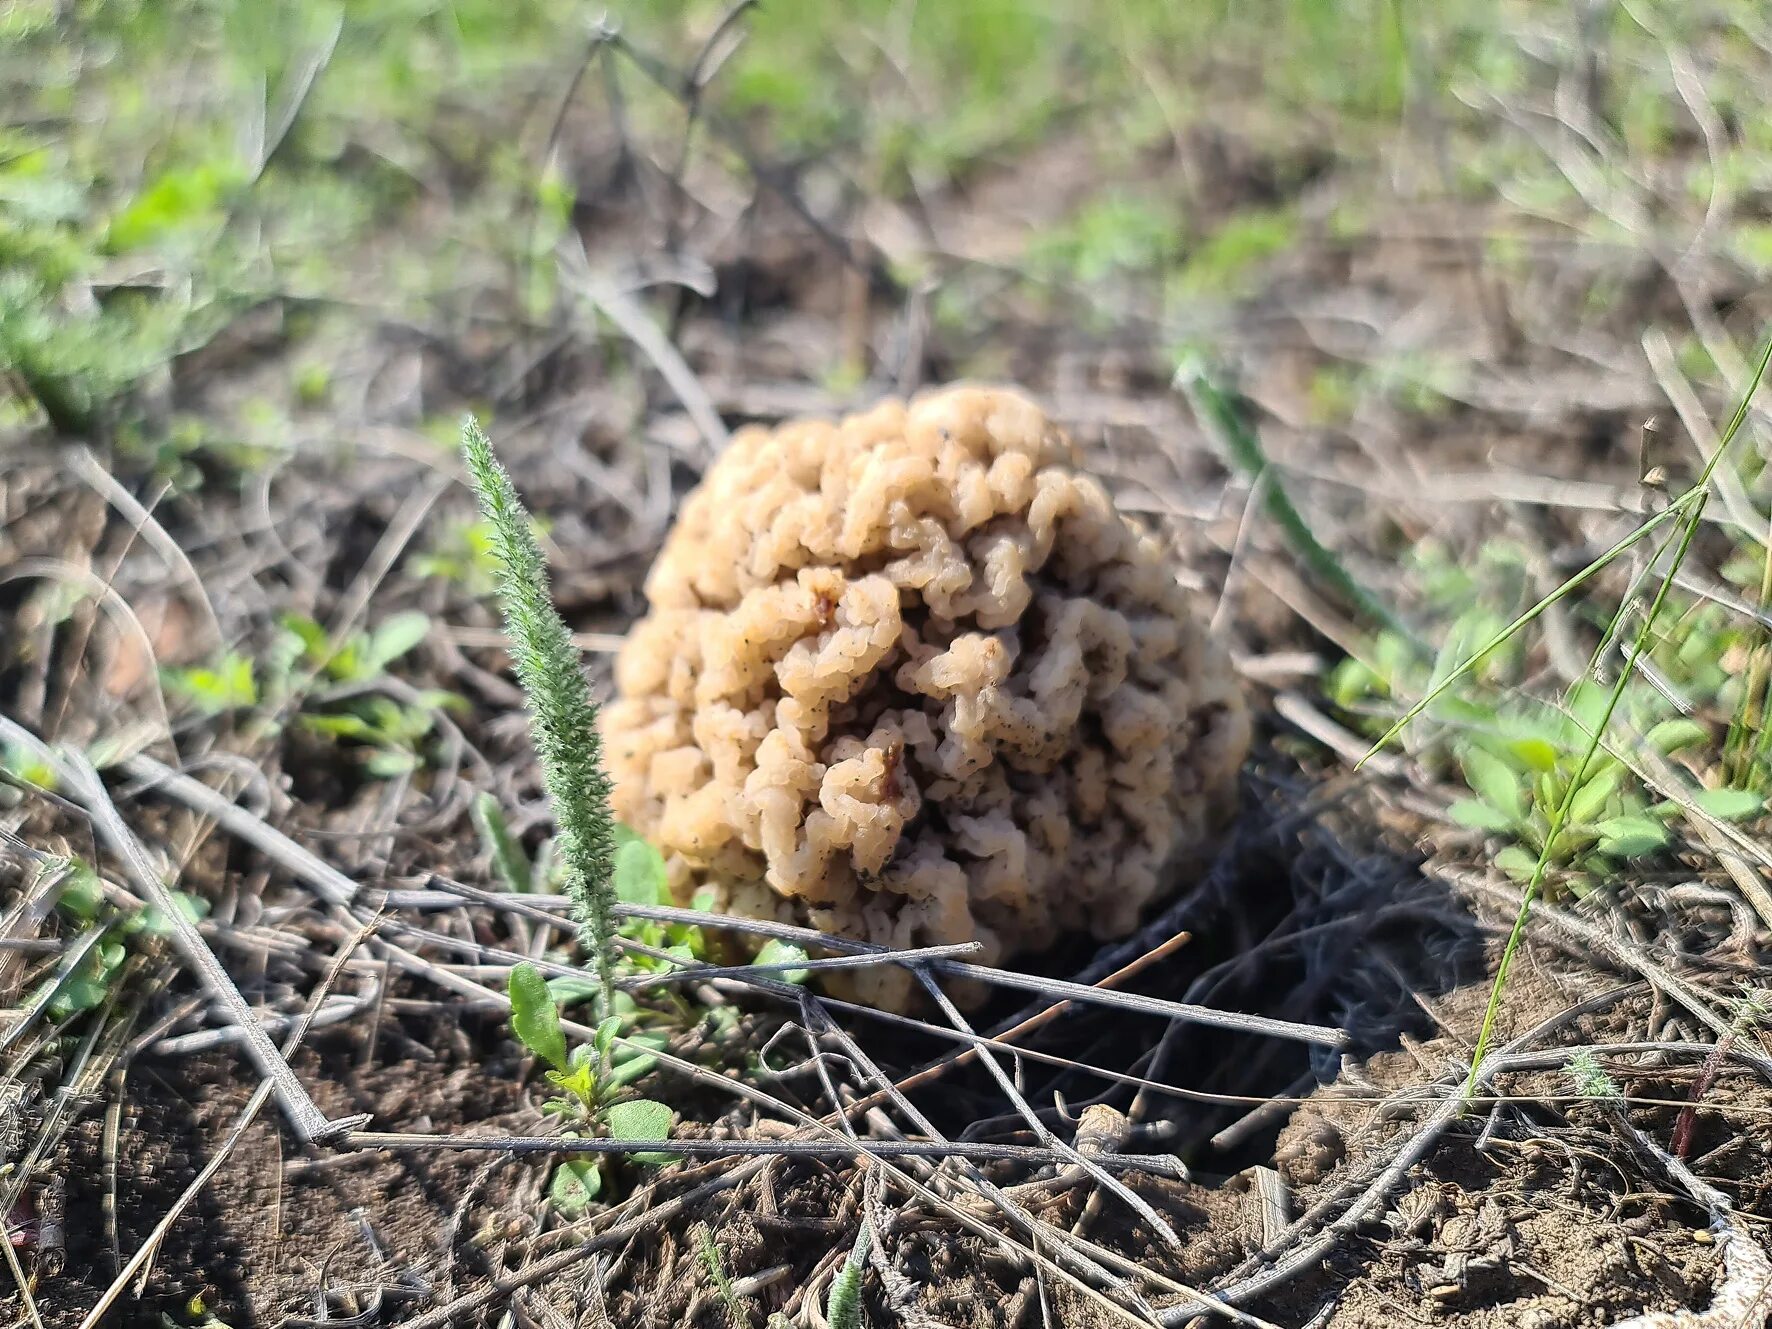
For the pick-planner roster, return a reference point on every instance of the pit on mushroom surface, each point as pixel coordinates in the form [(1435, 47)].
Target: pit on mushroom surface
[(910, 678)]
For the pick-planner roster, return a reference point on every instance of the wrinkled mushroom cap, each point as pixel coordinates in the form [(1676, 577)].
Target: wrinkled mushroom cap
[(910, 678)]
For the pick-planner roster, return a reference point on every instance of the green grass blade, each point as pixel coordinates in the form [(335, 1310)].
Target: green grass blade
[(1219, 412), (1739, 418)]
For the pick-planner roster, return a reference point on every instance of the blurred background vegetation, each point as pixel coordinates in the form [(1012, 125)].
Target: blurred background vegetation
[(168, 168)]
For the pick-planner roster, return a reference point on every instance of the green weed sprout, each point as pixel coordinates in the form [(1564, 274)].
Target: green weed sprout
[(509, 863), (592, 1079), (563, 718), (843, 1310)]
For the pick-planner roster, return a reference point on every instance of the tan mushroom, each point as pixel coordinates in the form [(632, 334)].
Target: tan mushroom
[(912, 679)]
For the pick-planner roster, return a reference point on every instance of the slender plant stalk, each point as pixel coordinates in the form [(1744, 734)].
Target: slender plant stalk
[(1691, 504), (563, 717)]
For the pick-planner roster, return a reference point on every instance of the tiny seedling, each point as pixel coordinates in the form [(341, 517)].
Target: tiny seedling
[(593, 1081), (392, 732), (361, 657), (92, 975), (211, 690), (1516, 754)]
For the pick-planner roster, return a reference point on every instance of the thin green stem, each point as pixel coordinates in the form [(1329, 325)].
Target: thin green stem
[(1219, 412)]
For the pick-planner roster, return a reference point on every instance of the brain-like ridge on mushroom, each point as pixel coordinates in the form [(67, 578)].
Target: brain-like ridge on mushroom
[(910, 678)]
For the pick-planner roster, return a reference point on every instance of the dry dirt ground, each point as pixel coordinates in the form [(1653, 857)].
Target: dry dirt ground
[(1326, 1188)]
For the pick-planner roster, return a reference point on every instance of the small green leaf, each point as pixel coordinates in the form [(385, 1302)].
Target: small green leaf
[(534, 1017), (783, 952), (1352, 682), (638, 1045), (393, 637), (387, 763), (509, 863), (579, 1080), (1672, 735), (640, 1119), (343, 725), (638, 1066), (1479, 816), (1517, 861), (1536, 753), (1494, 781), (79, 994), (81, 892), (570, 990), (1730, 804), (312, 638), (604, 1038), (634, 1057), (1630, 837), (575, 1185), (640, 875), (1591, 799), (1587, 705), (153, 922)]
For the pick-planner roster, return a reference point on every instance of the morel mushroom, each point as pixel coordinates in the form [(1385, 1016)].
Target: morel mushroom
[(910, 678)]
